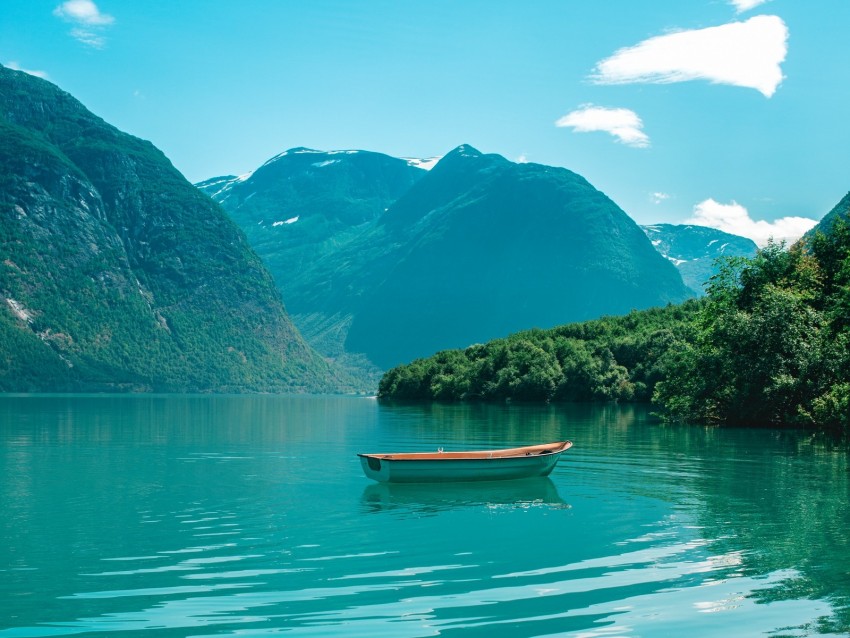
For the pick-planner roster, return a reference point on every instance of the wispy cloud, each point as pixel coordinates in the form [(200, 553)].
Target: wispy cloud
[(623, 124), (89, 37), (16, 67), (658, 197), (734, 218), (746, 5), (89, 22), (746, 54)]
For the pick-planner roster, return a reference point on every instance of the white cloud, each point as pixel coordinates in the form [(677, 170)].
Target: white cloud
[(623, 124), (746, 54), (89, 37), (522, 159), (746, 5), (88, 20), (657, 198), (16, 67), (734, 218), (83, 12)]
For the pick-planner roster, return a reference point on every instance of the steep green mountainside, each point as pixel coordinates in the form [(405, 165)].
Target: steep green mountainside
[(476, 249), (116, 273), (840, 211), (302, 203), (694, 250)]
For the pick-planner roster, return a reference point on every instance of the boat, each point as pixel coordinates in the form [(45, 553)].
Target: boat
[(473, 465)]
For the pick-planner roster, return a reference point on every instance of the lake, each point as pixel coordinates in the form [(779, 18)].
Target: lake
[(250, 516)]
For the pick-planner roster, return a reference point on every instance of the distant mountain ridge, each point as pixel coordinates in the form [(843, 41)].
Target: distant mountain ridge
[(303, 202), (476, 248), (695, 249), (117, 274)]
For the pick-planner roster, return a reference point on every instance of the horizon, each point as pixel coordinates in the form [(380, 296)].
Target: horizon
[(707, 114)]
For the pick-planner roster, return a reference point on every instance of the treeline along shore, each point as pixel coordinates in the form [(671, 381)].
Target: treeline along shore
[(769, 345)]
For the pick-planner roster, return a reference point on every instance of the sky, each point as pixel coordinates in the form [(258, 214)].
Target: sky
[(724, 113)]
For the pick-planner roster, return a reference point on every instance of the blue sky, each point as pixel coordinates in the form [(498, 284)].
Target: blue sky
[(729, 113)]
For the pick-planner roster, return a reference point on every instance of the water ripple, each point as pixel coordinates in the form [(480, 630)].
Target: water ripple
[(643, 531)]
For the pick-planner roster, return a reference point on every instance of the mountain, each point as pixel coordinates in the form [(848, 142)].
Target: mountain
[(840, 211), (476, 248), (694, 249), (117, 274), (490, 247), (303, 202)]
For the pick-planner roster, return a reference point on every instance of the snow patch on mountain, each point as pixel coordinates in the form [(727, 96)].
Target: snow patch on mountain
[(219, 186), (307, 151), (425, 164)]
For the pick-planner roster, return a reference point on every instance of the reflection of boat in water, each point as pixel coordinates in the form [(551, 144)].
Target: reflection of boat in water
[(477, 465), (417, 496)]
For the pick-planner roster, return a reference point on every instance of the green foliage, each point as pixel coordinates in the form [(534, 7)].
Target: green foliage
[(613, 358), (769, 345), (833, 407)]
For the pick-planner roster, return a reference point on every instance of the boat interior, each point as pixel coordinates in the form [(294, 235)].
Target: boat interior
[(440, 454)]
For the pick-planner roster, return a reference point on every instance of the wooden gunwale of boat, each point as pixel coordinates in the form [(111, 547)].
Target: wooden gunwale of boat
[(528, 450)]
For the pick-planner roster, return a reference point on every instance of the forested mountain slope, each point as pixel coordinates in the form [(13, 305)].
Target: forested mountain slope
[(116, 273)]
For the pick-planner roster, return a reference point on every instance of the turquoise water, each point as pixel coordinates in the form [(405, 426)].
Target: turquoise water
[(250, 516)]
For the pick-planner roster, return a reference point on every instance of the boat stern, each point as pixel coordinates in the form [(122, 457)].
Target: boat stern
[(374, 468)]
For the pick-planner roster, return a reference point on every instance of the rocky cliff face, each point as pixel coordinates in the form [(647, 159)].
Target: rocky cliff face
[(116, 273)]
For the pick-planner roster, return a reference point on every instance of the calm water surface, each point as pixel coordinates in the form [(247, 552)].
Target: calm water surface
[(250, 516)]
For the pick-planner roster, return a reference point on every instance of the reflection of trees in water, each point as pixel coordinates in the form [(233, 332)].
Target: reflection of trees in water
[(778, 499), (782, 506), (501, 424), (168, 420)]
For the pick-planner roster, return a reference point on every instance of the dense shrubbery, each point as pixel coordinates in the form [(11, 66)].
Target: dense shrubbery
[(771, 342), (769, 345), (613, 358)]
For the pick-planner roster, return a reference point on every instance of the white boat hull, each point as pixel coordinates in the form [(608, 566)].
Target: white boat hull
[(456, 466)]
